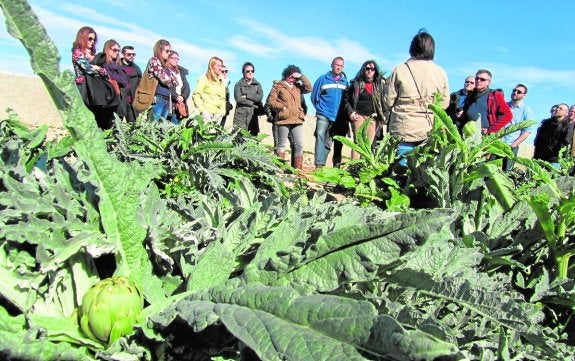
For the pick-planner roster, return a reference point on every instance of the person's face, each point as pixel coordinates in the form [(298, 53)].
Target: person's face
[(218, 67), (561, 112), (482, 81), (173, 60), (518, 93), (129, 55), (571, 113), (113, 51), (166, 51), (91, 40), (469, 83), (369, 70), (224, 72), (337, 67), (249, 72), (292, 78)]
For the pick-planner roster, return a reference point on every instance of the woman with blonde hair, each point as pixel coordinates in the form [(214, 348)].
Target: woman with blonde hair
[(209, 95), (158, 67)]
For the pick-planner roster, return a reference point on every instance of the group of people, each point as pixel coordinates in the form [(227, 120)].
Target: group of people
[(110, 84), (397, 104), (476, 101)]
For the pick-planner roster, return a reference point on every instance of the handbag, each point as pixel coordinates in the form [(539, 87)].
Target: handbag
[(144, 95), (98, 92), (181, 110)]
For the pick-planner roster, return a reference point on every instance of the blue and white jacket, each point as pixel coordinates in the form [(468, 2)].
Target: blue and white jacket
[(327, 94)]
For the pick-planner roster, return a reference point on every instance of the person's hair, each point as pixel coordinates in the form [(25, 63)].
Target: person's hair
[(127, 47), (81, 41), (523, 86), (158, 48), (289, 70), (107, 46), (484, 71), (361, 73), (246, 64), (422, 46), (337, 58), (210, 73)]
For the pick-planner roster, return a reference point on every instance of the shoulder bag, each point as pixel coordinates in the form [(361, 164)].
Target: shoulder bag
[(144, 94)]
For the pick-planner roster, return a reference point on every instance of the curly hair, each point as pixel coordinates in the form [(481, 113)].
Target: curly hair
[(289, 70)]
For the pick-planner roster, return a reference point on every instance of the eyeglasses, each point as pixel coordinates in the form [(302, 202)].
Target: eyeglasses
[(91, 38), (469, 82), (517, 91), (249, 71), (115, 50), (224, 71), (369, 68), (481, 79), (130, 54)]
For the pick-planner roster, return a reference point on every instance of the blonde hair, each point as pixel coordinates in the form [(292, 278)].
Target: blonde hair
[(210, 73)]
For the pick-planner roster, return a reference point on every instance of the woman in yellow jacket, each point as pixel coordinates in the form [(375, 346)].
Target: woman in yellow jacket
[(285, 100), (209, 95)]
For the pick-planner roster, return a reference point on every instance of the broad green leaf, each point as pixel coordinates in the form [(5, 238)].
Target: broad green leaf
[(353, 253), (277, 323), (120, 184)]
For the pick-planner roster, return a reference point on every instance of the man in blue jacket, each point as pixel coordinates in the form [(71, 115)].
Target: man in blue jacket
[(326, 96)]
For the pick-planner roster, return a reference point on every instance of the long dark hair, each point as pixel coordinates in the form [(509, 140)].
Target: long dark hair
[(361, 73)]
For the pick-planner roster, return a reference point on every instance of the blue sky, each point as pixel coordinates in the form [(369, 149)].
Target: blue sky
[(520, 42)]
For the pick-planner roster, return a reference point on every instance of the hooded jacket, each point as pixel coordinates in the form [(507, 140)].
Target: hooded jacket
[(286, 102)]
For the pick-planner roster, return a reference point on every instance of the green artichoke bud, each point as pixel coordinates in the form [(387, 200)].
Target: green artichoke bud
[(469, 129), (110, 309)]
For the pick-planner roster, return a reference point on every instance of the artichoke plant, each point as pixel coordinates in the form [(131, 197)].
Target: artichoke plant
[(110, 308)]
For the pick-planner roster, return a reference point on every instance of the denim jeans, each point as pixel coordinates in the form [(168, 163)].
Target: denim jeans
[(321, 148), (403, 148), (161, 108), (296, 131)]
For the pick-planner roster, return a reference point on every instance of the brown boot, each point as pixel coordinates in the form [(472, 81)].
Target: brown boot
[(298, 162)]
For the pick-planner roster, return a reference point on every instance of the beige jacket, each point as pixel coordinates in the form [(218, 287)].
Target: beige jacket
[(407, 118), (286, 101)]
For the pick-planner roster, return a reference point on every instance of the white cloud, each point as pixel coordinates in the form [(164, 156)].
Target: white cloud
[(316, 48)]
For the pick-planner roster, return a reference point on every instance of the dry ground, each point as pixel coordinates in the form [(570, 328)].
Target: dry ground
[(28, 97)]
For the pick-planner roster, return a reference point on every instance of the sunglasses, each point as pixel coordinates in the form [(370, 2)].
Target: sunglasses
[(369, 68), (91, 38), (481, 79), (517, 91), (249, 71), (469, 82), (130, 54), (224, 71)]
